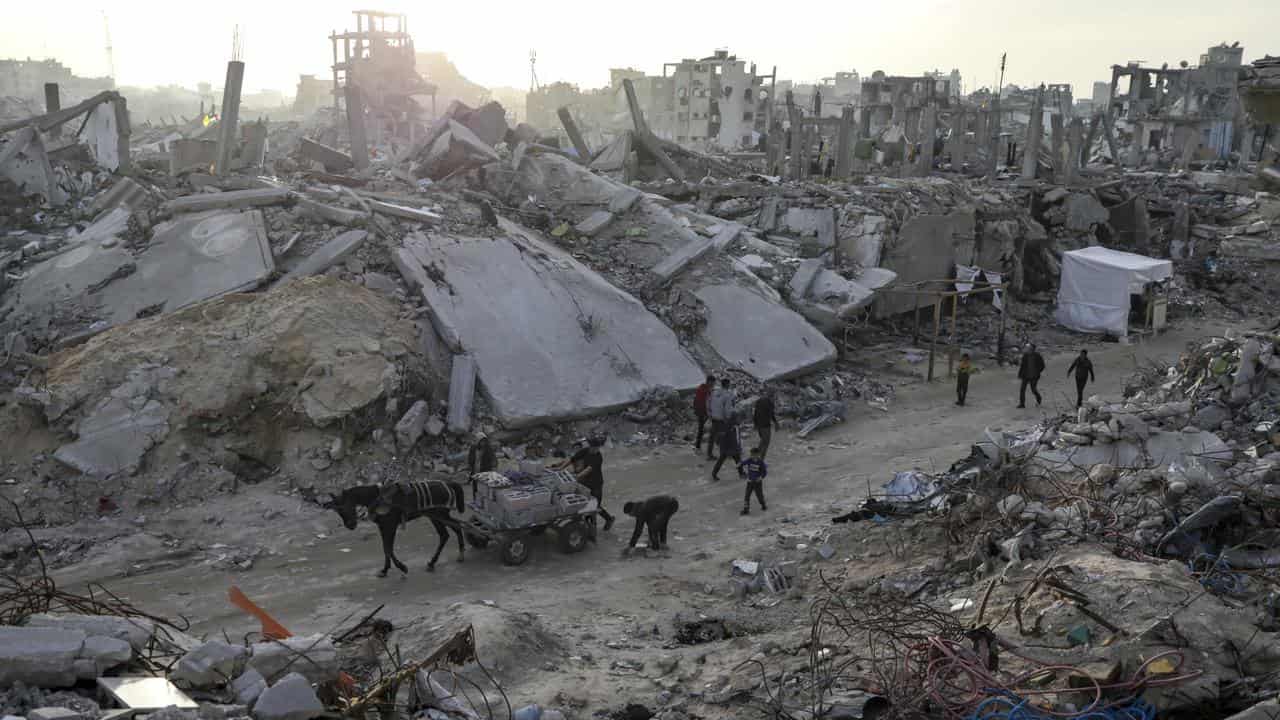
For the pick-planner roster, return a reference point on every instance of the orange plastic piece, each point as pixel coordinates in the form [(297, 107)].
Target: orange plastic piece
[(271, 629)]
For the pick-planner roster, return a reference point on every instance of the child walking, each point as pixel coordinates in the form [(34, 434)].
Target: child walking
[(754, 470), (963, 371)]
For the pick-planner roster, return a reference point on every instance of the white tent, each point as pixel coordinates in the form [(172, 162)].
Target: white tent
[(1096, 284)]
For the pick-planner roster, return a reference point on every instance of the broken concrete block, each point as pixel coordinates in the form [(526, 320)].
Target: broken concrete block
[(805, 275), (380, 283), (488, 122), (462, 391), (435, 426), (25, 163), (328, 213), (135, 631), (54, 713), (188, 153), (209, 665), (405, 212), (334, 161), (43, 657), (292, 698), (104, 653), (594, 223), (333, 252), (318, 661), (819, 223), (624, 200), (248, 687), (681, 258), (115, 436), (759, 336), (412, 425), (1084, 212), (234, 200)]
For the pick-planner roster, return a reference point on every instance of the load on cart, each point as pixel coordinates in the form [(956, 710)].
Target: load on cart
[(510, 507)]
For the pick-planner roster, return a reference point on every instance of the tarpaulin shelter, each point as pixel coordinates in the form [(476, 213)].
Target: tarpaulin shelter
[(1096, 284)]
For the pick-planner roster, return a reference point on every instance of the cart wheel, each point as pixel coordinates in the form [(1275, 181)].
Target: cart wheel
[(515, 550), (573, 537), (478, 542)]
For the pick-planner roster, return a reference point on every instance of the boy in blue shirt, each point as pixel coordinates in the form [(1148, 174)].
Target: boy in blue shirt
[(754, 470)]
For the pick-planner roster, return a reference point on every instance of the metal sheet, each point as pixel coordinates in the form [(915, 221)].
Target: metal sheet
[(145, 693)]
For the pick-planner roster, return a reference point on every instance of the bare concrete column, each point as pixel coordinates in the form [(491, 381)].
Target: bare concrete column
[(1056, 139), (864, 124), (993, 140), (797, 138), (1075, 138), (844, 144), (230, 120), (355, 124), (928, 133), (1035, 135), (1094, 123), (1135, 150), (575, 136), (1109, 132), (52, 104), (123, 131)]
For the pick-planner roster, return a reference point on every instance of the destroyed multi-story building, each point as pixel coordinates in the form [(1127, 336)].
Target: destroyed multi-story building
[(953, 77), (895, 100), (1176, 107), (378, 61), (312, 94), (717, 101)]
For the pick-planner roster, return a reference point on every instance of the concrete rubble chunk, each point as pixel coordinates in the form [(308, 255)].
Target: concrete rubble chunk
[(314, 656), (624, 200), (329, 213), (334, 161), (760, 337), (54, 713), (462, 391), (405, 212), (248, 687), (115, 436), (551, 338), (333, 252), (292, 698), (138, 632), (819, 223), (682, 257), (594, 223), (211, 664), (804, 278), (412, 425), (43, 657), (1084, 212), (233, 200)]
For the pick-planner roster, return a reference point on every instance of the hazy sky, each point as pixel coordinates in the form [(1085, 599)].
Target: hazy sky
[(1073, 41)]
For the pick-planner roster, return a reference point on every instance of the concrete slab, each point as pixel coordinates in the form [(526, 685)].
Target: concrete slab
[(462, 391), (819, 223), (1162, 449), (681, 258), (613, 157), (25, 162), (334, 161), (333, 252), (552, 340), (187, 153), (329, 213), (595, 222), (624, 200), (759, 336), (193, 258), (924, 249), (405, 212), (806, 273), (113, 439), (234, 200), (1084, 212), (1253, 248)]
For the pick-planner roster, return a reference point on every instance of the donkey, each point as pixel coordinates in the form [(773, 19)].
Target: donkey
[(393, 505)]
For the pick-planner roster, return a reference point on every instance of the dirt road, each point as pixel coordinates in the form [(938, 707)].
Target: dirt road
[(313, 583)]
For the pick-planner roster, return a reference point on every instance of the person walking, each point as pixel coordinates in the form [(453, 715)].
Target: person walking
[(701, 403), (1029, 371), (730, 447), (653, 513), (1083, 368), (963, 371), (481, 458), (754, 470), (765, 417), (723, 402)]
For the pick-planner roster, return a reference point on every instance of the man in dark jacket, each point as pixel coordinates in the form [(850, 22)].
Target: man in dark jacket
[(1029, 371), (481, 458), (765, 419), (730, 447), (1083, 368), (653, 513), (701, 408), (588, 469)]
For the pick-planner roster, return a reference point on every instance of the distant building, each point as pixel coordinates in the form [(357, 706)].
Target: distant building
[(718, 102), (1101, 96), (1165, 108), (26, 79), (312, 94), (889, 100)]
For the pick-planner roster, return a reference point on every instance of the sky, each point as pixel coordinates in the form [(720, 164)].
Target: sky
[(1073, 41)]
